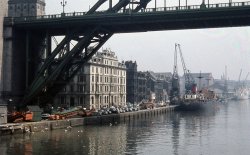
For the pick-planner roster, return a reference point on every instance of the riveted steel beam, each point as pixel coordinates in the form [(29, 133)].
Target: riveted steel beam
[(118, 6), (96, 6), (141, 5)]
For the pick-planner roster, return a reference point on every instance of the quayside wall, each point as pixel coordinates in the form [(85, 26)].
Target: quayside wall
[(41, 126)]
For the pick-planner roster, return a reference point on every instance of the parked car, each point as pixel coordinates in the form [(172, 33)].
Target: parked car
[(147, 105)]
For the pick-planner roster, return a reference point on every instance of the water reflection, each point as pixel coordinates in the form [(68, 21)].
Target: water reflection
[(87, 140), (215, 132)]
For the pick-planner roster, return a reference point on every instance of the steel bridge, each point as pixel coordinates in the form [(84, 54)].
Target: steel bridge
[(38, 73)]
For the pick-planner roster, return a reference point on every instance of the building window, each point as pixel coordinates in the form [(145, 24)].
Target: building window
[(80, 78), (81, 100), (84, 78), (92, 101), (100, 100), (80, 88), (93, 78), (82, 69), (72, 88), (65, 89), (72, 101), (62, 99)]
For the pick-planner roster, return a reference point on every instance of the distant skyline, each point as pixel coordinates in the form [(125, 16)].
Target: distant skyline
[(205, 50)]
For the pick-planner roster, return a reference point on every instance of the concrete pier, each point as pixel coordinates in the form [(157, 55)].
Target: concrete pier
[(45, 125)]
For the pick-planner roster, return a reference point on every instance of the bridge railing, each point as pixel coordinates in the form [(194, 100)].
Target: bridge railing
[(128, 11)]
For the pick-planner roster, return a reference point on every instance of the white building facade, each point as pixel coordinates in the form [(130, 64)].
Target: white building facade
[(100, 83)]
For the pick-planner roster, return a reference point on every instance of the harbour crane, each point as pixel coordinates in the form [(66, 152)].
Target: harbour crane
[(245, 81), (240, 75), (190, 85), (175, 90), (239, 85), (247, 76)]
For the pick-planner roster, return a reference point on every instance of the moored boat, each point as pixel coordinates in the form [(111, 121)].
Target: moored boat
[(242, 94), (199, 101)]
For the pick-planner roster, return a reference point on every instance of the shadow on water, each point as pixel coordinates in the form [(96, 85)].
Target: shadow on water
[(91, 140)]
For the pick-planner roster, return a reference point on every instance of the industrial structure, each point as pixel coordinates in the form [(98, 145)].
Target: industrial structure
[(101, 82)]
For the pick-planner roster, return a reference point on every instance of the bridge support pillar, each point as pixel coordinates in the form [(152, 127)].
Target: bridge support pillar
[(7, 64), (27, 59)]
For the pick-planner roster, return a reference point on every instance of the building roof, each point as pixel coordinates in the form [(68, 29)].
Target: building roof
[(162, 76), (202, 75)]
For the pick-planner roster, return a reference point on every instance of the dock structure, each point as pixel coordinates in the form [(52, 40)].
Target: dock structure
[(42, 126), (11, 128)]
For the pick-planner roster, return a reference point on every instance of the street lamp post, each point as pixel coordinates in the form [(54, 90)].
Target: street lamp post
[(63, 3)]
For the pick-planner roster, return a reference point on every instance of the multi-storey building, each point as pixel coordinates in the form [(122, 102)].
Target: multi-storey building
[(143, 85), (159, 84), (131, 81), (101, 82), (19, 8)]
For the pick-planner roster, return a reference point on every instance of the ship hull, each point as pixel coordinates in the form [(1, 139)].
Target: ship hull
[(197, 105), (242, 94), (242, 98)]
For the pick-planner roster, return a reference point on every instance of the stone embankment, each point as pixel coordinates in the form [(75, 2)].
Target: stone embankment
[(45, 125)]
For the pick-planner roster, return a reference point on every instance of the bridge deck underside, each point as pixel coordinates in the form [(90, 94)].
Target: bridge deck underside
[(142, 22)]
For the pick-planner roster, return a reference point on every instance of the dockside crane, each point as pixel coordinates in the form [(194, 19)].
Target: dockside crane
[(245, 81), (175, 90), (239, 85), (190, 85)]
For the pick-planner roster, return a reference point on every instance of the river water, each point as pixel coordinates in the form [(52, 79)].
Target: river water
[(226, 131)]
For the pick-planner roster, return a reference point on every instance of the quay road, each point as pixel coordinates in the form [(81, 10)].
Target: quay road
[(41, 126)]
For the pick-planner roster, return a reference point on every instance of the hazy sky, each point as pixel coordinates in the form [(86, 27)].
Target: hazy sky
[(205, 50)]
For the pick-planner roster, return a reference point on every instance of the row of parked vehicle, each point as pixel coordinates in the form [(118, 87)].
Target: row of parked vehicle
[(61, 113), (116, 110)]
